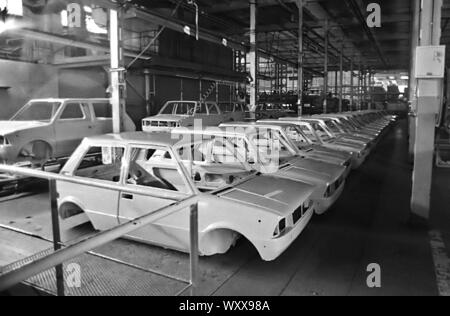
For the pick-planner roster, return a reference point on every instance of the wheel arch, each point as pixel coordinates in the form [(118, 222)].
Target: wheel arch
[(67, 204), (34, 141), (225, 230)]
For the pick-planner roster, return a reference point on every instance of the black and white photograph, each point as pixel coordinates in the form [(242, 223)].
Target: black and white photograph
[(225, 155)]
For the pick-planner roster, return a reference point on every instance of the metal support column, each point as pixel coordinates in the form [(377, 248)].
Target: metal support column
[(430, 99), (300, 4), (415, 34), (148, 105), (253, 59), (118, 80), (359, 88), (364, 89), (341, 77), (325, 69), (371, 82), (336, 83), (59, 270), (194, 258), (352, 81)]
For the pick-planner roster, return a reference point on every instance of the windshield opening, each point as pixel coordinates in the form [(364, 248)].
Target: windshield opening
[(37, 111), (321, 132), (332, 126), (296, 135), (272, 147)]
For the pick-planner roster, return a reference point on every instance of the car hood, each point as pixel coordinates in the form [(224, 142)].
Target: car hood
[(168, 118), (11, 127), (324, 157), (332, 152), (355, 138), (280, 196), (312, 171), (348, 144)]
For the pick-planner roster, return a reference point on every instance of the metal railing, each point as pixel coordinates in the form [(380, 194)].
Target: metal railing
[(63, 254)]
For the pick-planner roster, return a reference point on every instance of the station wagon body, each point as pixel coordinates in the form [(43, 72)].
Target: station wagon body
[(149, 171), (184, 114), (272, 153), (53, 128)]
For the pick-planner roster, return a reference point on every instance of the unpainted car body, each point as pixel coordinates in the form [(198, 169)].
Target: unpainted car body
[(286, 162), (348, 128), (184, 114), (53, 128), (358, 153), (308, 149), (332, 132), (337, 132), (148, 171)]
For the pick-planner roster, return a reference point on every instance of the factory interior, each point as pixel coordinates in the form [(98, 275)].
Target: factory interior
[(233, 148)]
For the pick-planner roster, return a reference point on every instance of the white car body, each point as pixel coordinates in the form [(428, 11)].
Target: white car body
[(328, 179), (148, 171), (358, 154), (308, 149), (53, 128), (329, 127), (184, 114)]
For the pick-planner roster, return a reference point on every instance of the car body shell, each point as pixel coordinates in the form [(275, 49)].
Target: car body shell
[(335, 134), (62, 136), (165, 122), (309, 150), (358, 153), (253, 206), (342, 120), (329, 179)]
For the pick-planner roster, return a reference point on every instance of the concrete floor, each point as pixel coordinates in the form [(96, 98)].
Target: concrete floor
[(369, 224)]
